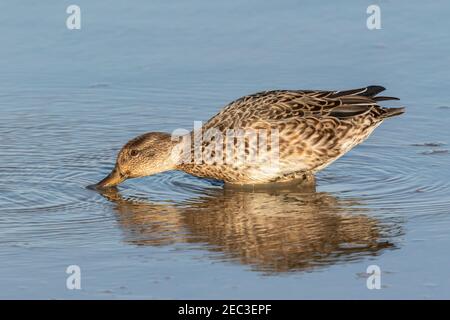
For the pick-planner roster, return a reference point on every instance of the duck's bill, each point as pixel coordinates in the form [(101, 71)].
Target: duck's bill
[(111, 180)]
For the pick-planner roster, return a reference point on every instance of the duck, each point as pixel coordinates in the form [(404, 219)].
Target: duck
[(270, 137)]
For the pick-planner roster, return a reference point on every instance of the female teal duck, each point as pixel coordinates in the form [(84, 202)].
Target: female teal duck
[(267, 137)]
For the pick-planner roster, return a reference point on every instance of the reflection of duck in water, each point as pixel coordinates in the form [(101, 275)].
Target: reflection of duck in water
[(277, 136), (272, 231)]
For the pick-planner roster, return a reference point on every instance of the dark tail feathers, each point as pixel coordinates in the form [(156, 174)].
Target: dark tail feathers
[(392, 112)]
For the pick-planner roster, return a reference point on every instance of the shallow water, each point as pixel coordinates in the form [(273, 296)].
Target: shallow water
[(70, 99)]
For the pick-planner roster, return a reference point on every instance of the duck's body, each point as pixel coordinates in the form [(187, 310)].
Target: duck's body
[(313, 129)]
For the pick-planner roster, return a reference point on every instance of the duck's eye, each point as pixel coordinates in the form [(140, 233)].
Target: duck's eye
[(134, 153)]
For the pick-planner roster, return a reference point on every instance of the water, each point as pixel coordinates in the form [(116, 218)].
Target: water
[(70, 99)]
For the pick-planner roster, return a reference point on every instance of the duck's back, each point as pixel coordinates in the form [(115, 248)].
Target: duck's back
[(280, 105)]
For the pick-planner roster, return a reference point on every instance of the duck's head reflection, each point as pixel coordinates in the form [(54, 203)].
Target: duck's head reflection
[(272, 231)]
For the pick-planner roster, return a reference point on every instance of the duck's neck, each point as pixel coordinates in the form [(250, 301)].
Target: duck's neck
[(183, 155), (180, 151)]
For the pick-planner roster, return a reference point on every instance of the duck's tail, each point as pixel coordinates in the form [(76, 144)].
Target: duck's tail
[(392, 112), (372, 91)]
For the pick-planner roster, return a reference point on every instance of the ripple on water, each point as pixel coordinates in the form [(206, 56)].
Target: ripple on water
[(172, 187), (429, 144), (393, 180)]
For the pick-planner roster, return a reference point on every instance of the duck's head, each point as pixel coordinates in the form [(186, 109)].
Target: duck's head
[(144, 155)]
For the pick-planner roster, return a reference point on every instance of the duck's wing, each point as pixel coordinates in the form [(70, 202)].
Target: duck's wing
[(282, 105)]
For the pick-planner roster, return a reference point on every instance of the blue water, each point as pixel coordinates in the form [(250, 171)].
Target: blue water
[(69, 99)]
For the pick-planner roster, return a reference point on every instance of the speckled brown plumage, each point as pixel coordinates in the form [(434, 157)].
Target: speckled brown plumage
[(315, 128)]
